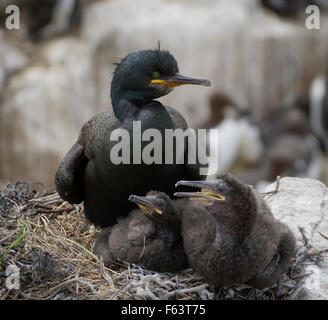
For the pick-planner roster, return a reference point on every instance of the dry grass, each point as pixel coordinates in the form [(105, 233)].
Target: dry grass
[(51, 243)]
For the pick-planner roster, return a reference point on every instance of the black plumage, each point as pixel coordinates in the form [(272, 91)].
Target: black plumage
[(149, 236), (87, 172), (237, 240), (291, 7)]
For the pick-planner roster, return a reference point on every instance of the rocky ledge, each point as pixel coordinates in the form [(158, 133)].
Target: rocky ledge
[(302, 204)]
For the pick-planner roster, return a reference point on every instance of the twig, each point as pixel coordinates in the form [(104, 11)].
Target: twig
[(276, 188), (143, 249), (323, 236), (66, 239), (192, 289), (304, 237), (117, 293), (106, 276), (317, 253), (53, 291)]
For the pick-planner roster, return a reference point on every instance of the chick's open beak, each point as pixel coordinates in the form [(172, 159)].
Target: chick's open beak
[(179, 80), (145, 204), (207, 192)]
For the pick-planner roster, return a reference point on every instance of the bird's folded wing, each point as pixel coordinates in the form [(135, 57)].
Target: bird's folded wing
[(69, 176)]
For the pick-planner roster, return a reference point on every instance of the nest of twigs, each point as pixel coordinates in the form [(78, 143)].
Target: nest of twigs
[(50, 242)]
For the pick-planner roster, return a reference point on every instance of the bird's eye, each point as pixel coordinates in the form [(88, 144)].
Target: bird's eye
[(155, 75)]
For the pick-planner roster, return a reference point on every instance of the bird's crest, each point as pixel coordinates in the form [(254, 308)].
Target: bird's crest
[(117, 64)]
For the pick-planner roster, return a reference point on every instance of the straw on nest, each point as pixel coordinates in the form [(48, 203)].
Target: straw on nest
[(51, 243)]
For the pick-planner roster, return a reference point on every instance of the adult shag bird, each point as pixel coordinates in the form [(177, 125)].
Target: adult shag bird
[(87, 172), (237, 240), (149, 236)]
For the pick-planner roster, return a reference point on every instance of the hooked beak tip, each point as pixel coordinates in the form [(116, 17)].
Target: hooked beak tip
[(206, 83)]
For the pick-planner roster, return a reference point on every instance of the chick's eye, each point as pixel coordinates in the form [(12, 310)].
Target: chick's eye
[(155, 75)]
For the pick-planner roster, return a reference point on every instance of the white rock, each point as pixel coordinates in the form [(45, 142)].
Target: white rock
[(44, 108), (11, 60), (302, 202)]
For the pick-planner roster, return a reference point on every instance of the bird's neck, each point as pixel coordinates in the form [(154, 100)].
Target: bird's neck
[(245, 215), (126, 107), (125, 110)]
